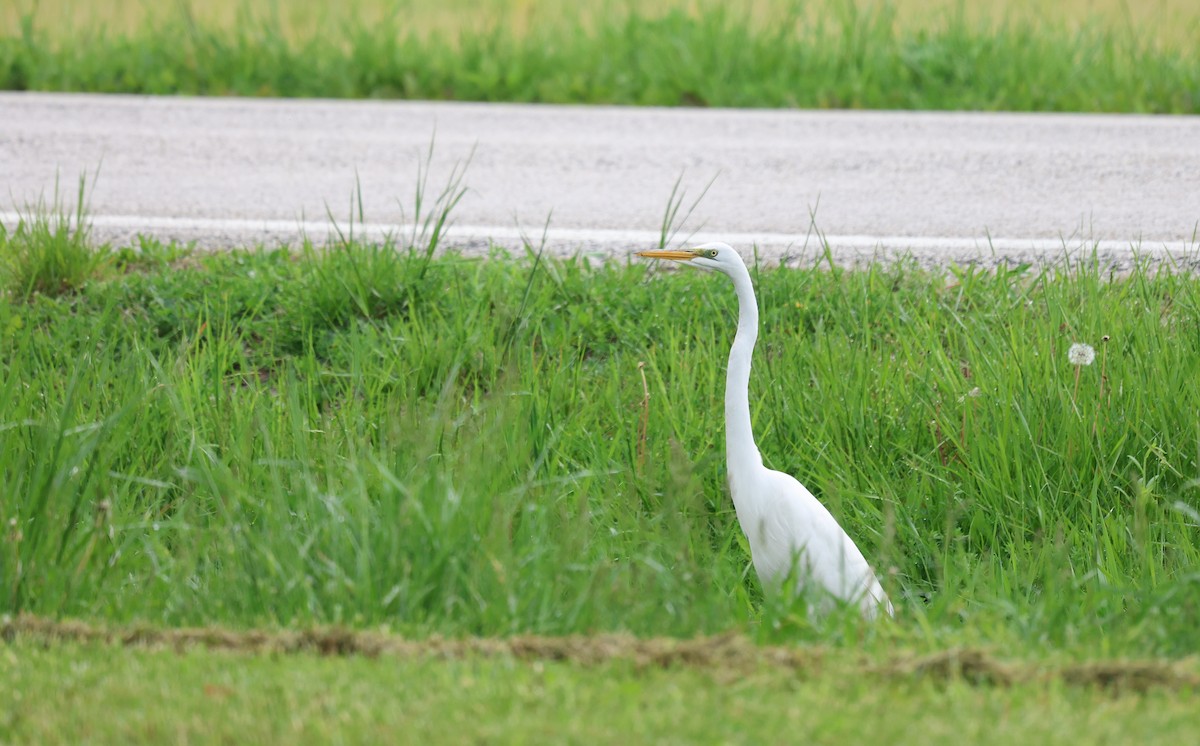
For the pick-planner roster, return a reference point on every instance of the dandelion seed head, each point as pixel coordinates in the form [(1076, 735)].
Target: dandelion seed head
[(1081, 354)]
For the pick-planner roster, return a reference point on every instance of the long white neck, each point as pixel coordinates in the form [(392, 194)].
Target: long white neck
[(740, 452)]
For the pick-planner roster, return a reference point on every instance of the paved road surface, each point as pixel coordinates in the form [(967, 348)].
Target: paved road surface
[(227, 171)]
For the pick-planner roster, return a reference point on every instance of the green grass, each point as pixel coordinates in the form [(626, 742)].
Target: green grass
[(48, 250), (74, 693), (377, 435), (835, 54)]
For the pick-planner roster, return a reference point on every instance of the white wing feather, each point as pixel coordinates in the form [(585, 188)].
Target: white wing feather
[(791, 534)]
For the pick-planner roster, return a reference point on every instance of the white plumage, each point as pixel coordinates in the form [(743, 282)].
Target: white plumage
[(791, 534)]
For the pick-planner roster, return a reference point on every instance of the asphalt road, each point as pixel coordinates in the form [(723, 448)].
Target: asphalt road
[(226, 172)]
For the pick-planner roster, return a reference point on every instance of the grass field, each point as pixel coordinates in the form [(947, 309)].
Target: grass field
[(1158, 19), (1078, 56), (444, 457), (397, 440), (67, 693), (379, 435)]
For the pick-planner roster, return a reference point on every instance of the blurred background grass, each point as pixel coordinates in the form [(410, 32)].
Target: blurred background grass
[(1103, 56), (1167, 20)]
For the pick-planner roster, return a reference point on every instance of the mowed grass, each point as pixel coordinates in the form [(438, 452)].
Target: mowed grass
[(391, 435), (71, 693), (833, 53)]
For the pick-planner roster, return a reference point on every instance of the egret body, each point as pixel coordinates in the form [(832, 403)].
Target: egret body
[(791, 534)]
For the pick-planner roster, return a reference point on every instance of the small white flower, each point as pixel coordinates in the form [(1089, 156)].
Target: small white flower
[(1081, 354)]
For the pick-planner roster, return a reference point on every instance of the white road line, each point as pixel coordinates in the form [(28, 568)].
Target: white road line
[(561, 239)]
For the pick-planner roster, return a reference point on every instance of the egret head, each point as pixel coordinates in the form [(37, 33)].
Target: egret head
[(719, 256)]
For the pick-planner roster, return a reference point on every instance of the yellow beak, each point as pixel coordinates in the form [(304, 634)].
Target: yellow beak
[(676, 254)]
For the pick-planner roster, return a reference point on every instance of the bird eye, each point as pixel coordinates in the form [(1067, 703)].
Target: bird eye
[(712, 253)]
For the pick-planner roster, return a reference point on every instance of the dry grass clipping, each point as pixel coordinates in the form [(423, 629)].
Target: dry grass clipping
[(725, 654)]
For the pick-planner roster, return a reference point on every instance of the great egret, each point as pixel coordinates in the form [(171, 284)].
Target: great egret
[(791, 533)]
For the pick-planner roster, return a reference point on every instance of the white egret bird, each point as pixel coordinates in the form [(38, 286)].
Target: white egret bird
[(791, 533)]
